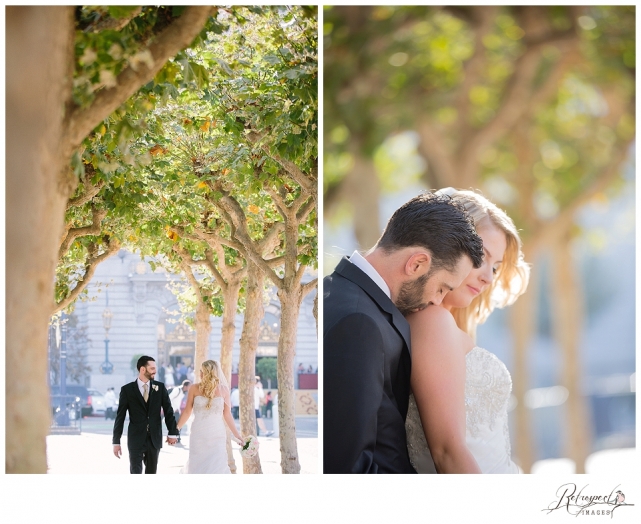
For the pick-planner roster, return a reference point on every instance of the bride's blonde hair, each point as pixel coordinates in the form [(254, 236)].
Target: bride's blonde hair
[(512, 277), (210, 380)]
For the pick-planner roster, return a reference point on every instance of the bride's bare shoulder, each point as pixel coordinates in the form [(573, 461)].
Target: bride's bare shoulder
[(434, 329), (432, 317)]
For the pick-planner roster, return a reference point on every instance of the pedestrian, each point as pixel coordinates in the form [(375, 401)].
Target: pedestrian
[(301, 368), (178, 397), (190, 374), (258, 396), (110, 404), (235, 402), (170, 379), (182, 372), (268, 404), (161, 372)]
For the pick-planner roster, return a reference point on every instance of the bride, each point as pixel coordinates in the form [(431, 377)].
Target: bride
[(457, 418), (209, 400)]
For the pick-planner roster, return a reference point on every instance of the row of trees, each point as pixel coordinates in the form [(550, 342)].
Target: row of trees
[(186, 134), (533, 104)]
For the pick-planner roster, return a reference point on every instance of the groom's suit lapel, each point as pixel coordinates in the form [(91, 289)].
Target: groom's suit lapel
[(351, 272)]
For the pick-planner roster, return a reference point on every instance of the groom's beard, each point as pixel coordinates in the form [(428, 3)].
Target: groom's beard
[(149, 376), (410, 297)]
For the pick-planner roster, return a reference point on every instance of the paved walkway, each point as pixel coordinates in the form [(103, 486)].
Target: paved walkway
[(92, 453)]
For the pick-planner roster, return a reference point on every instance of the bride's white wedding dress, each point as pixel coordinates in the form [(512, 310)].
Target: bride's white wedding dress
[(207, 438), (487, 390)]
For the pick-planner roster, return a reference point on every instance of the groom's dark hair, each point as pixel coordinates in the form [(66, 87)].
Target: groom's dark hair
[(438, 224), (143, 361)]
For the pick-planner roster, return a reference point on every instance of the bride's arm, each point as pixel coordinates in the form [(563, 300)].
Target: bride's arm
[(229, 419), (186, 413), (438, 385)]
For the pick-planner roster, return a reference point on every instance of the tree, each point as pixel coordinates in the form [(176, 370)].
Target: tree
[(180, 160), (243, 153), (40, 180)]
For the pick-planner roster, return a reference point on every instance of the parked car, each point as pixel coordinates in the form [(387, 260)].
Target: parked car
[(97, 401), (78, 395)]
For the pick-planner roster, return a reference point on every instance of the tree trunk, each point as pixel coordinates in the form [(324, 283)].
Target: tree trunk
[(247, 364), (290, 302), (522, 322), (363, 189), (39, 44), (567, 327), (230, 304), (203, 331)]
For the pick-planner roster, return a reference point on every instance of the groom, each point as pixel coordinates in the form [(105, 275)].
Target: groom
[(427, 249), (144, 398)]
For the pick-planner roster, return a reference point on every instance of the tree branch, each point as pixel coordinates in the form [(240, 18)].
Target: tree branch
[(94, 229), (115, 24), (307, 287), (90, 191), (306, 182), (434, 149), (90, 269), (305, 210), (279, 201), (276, 262), (193, 282), (299, 274), (516, 95), (271, 241), (232, 209), (170, 41), (565, 218), (483, 18)]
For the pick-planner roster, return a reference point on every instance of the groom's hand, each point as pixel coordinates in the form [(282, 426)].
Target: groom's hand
[(117, 451), (171, 441)]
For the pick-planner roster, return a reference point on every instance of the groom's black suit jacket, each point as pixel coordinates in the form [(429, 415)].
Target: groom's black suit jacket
[(144, 414), (366, 370)]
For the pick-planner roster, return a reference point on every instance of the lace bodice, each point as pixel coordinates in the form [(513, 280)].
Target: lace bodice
[(216, 407), (487, 391)]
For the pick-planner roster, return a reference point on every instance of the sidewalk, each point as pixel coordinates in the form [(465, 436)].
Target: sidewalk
[(92, 453)]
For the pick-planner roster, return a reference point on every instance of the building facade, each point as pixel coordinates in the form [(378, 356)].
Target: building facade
[(131, 310)]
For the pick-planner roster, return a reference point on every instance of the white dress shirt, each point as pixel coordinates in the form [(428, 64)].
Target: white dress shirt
[(359, 261), (141, 386)]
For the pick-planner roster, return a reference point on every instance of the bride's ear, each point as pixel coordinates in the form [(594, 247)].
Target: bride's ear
[(418, 264)]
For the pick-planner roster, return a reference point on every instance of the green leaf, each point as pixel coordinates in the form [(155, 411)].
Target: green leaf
[(121, 11)]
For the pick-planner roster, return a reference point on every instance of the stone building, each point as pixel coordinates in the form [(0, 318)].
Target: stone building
[(144, 321)]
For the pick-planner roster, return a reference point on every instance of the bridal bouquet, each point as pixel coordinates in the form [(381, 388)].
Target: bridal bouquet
[(250, 448)]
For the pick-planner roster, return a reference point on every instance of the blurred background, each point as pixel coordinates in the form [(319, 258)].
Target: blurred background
[(535, 107)]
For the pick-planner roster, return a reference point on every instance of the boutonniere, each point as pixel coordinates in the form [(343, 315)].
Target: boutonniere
[(155, 387)]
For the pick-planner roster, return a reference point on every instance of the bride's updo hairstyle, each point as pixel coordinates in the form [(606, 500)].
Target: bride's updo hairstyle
[(210, 380), (513, 274)]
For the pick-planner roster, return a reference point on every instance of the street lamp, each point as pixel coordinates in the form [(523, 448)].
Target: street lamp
[(106, 368)]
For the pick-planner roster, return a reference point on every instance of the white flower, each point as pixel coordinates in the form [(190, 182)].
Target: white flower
[(155, 387), (250, 447)]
